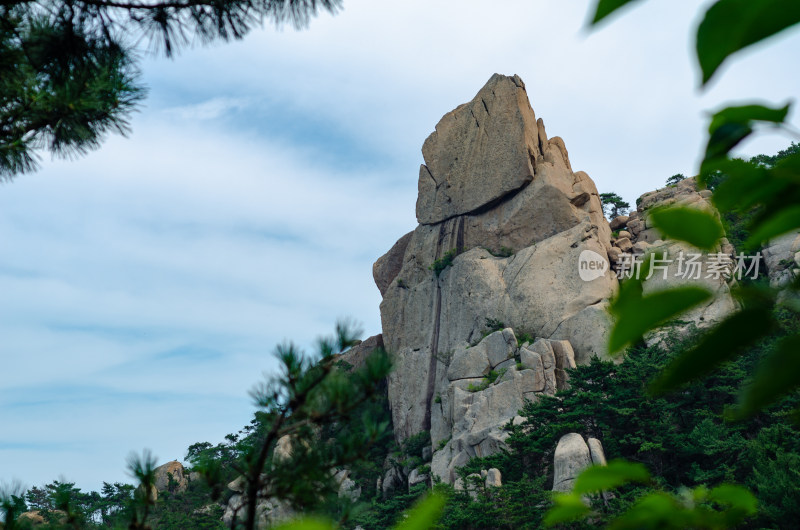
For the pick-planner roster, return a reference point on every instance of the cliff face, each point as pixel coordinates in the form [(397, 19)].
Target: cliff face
[(499, 199), (504, 223)]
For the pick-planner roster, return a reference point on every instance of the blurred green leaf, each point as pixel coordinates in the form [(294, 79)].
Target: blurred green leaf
[(731, 125), (606, 7), (635, 317), (731, 25), (778, 223), (656, 510), (696, 227), (737, 497), (776, 376), (746, 185), (788, 168), (425, 514), (307, 523), (567, 507), (726, 341), (614, 474)]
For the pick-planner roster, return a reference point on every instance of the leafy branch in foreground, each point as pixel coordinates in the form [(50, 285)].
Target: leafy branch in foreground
[(768, 192), (422, 516), (311, 420), (68, 68), (725, 506), (12, 503), (144, 497)]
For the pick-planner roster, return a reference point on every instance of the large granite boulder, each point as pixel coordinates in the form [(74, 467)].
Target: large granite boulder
[(574, 454), (479, 152)]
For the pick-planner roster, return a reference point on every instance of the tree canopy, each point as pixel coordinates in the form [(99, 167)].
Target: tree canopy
[(613, 205)]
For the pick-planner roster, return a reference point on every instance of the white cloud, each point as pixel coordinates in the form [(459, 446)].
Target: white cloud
[(209, 110)]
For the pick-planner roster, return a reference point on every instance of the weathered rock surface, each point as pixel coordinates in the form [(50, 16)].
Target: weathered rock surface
[(505, 219), (171, 470), (537, 289), (392, 480), (548, 222), (385, 270), (469, 413), (347, 487), (355, 356), (268, 512), (479, 152), (415, 477), (503, 195), (571, 457), (494, 478), (596, 451), (782, 257), (619, 222)]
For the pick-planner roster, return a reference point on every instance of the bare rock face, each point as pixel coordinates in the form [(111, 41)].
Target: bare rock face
[(503, 221), (348, 488), (596, 451), (469, 411), (171, 477), (480, 152), (385, 270), (269, 512), (356, 356), (538, 290), (571, 457), (574, 454)]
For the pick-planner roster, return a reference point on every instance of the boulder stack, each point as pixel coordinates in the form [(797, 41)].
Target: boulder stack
[(503, 220)]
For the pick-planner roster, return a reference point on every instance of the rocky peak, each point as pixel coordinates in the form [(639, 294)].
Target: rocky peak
[(484, 303), (479, 153), (503, 221)]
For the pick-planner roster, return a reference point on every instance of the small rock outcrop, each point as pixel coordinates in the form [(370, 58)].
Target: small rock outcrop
[(347, 486), (782, 259), (573, 455), (355, 357), (171, 477), (494, 479), (268, 512), (635, 236)]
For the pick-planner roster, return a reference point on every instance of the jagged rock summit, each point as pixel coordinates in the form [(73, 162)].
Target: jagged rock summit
[(503, 222), (479, 152)]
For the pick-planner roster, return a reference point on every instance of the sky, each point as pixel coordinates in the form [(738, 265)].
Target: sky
[(144, 287)]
